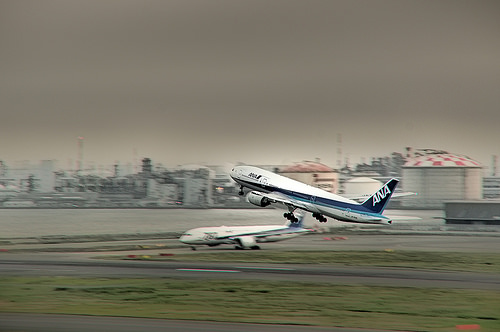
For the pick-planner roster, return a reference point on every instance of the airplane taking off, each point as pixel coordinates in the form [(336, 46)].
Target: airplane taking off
[(271, 188), (243, 237)]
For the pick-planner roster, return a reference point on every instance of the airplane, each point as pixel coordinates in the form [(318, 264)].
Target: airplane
[(243, 237), (268, 188)]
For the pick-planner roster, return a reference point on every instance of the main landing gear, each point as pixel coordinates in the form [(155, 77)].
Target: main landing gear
[(291, 217), (252, 247), (319, 217)]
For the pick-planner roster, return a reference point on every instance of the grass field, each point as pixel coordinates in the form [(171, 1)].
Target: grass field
[(371, 307), (397, 308)]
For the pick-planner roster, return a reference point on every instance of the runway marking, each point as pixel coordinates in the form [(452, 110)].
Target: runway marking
[(207, 270), (265, 268), (38, 269)]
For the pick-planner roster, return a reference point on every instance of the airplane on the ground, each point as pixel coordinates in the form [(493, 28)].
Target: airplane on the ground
[(268, 187), (243, 237)]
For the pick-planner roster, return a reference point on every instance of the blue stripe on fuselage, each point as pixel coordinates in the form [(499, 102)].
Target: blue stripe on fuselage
[(329, 203)]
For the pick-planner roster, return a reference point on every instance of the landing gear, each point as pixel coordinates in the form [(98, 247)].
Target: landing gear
[(193, 248), (242, 248), (319, 217), (291, 217), (241, 192)]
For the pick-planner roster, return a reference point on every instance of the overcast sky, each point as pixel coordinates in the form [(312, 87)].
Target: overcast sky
[(269, 82)]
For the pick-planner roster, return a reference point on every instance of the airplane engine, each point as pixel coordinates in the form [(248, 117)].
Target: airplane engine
[(257, 199), (247, 242)]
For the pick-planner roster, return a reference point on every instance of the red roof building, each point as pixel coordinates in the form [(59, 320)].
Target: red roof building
[(313, 173)]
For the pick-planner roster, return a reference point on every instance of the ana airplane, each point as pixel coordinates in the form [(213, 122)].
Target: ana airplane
[(243, 237), (268, 188)]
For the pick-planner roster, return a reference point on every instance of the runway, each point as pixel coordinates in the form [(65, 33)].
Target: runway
[(62, 323), (76, 260), (298, 272)]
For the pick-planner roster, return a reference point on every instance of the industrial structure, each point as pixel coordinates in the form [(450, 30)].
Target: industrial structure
[(439, 176), (43, 186)]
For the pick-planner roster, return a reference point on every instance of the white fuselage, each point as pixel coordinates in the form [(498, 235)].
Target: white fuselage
[(309, 198), (226, 234)]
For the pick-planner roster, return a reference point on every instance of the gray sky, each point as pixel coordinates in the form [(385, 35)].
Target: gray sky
[(272, 81)]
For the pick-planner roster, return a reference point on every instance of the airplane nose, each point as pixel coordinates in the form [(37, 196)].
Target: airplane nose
[(235, 173)]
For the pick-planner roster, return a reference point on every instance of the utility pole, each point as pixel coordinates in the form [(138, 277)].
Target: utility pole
[(80, 154), (339, 151)]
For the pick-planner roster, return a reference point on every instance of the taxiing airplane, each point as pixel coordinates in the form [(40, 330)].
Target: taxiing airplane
[(243, 237), (268, 187)]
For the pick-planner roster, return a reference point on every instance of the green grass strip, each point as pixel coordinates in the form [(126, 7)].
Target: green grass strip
[(371, 307), (472, 262)]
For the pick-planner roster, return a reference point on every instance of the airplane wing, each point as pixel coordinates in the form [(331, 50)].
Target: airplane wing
[(261, 234), (276, 197)]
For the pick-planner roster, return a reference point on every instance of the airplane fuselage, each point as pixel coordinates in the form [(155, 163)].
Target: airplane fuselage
[(242, 236), (308, 198), (223, 234)]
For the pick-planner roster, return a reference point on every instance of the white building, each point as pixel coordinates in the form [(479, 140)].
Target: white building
[(42, 173), (361, 186), (198, 185), (165, 193)]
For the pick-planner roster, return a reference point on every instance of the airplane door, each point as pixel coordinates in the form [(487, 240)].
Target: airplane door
[(312, 207)]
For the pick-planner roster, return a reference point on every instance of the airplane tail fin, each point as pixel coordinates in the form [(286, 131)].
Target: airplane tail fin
[(299, 224), (377, 202)]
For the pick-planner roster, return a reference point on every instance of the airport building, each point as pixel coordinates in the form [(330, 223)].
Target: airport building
[(484, 212), (361, 186), (439, 176), (491, 187)]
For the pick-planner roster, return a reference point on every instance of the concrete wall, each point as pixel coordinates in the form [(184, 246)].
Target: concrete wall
[(477, 212)]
